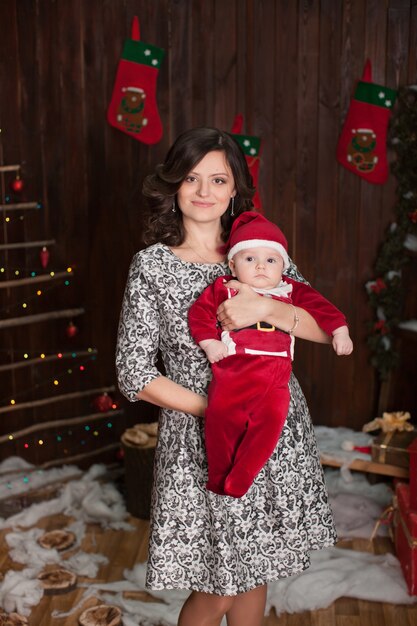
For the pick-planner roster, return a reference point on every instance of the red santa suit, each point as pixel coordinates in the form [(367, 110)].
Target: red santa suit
[(248, 396)]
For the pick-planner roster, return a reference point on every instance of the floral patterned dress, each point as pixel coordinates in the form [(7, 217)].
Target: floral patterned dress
[(199, 540)]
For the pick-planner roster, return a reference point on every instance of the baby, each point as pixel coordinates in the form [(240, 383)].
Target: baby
[(248, 396)]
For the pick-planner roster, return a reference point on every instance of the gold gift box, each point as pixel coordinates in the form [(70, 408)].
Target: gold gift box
[(391, 448)]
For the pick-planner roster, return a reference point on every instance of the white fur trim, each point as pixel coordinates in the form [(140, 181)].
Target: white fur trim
[(137, 89), (228, 342), (283, 290), (253, 351), (260, 243)]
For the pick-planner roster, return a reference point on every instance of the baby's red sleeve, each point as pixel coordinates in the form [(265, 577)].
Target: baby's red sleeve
[(202, 317), (327, 316)]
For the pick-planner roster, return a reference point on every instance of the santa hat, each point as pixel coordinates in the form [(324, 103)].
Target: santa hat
[(253, 230)]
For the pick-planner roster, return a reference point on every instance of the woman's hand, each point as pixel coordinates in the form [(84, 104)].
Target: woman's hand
[(248, 307), (244, 309), (165, 393)]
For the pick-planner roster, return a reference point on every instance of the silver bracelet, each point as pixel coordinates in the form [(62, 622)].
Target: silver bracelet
[(296, 320)]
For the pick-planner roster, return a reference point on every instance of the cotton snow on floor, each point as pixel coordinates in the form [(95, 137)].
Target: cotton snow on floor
[(333, 573)]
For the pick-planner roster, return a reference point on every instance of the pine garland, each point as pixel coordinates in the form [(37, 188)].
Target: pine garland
[(386, 291)]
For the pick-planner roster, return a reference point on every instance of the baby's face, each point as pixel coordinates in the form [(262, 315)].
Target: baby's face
[(258, 267)]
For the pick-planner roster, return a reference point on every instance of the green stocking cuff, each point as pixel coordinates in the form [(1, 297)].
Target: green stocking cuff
[(143, 53), (375, 94), (250, 145)]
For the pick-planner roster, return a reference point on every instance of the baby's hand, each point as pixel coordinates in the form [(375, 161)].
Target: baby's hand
[(214, 349), (341, 342)]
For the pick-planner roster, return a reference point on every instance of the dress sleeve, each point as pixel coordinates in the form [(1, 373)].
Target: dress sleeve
[(138, 334), (294, 273)]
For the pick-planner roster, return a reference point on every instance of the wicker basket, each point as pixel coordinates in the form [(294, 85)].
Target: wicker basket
[(138, 476)]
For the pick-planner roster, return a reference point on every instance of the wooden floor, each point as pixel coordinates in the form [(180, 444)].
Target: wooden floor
[(124, 549)]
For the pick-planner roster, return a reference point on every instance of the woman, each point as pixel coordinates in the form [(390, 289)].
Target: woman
[(224, 550)]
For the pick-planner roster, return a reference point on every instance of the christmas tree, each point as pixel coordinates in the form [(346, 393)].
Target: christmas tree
[(386, 290), (52, 408)]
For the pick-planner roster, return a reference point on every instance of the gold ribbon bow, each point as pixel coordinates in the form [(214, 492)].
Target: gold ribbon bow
[(390, 422)]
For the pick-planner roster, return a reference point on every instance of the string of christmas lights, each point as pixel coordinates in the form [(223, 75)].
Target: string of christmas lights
[(45, 352), (72, 421), (18, 271), (24, 304), (46, 358), (64, 436), (54, 381), (41, 278)]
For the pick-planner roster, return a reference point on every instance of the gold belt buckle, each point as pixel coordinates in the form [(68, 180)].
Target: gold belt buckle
[(265, 330)]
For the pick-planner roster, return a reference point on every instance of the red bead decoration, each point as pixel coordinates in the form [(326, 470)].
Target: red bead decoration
[(103, 403), (44, 256), (17, 184), (71, 330)]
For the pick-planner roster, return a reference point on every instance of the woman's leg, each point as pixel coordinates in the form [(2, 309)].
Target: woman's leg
[(248, 608), (204, 609)]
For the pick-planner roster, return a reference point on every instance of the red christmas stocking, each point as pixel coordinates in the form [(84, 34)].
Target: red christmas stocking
[(133, 107), (362, 144), (251, 146)]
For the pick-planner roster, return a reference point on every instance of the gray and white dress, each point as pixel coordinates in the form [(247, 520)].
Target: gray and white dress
[(199, 540)]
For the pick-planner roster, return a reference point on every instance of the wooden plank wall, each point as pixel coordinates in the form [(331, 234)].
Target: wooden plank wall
[(288, 66)]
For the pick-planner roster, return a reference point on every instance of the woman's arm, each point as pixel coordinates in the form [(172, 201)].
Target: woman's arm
[(247, 308), (165, 393)]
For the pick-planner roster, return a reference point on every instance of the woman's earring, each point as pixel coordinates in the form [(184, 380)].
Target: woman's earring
[(232, 210), (174, 209)]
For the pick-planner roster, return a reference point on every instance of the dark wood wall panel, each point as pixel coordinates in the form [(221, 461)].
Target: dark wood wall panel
[(305, 134), (284, 145), (289, 66), (264, 72), (331, 231)]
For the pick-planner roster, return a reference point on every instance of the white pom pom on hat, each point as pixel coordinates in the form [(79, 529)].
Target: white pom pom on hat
[(252, 230)]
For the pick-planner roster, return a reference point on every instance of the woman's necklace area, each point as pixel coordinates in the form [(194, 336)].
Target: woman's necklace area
[(201, 257)]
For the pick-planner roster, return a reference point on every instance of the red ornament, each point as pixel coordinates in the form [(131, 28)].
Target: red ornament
[(44, 256), (413, 216), (71, 330), (103, 403), (17, 184), (378, 286), (381, 327)]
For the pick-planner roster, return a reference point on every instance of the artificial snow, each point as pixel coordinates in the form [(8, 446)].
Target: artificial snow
[(333, 573), (330, 440), (409, 325), (85, 499)]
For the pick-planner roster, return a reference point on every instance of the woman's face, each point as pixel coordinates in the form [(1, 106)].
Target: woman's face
[(206, 191)]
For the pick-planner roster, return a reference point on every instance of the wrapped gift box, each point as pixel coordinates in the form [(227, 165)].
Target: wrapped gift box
[(405, 535), (392, 448)]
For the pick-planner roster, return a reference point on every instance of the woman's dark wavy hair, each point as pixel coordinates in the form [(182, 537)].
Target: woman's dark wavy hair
[(164, 225)]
